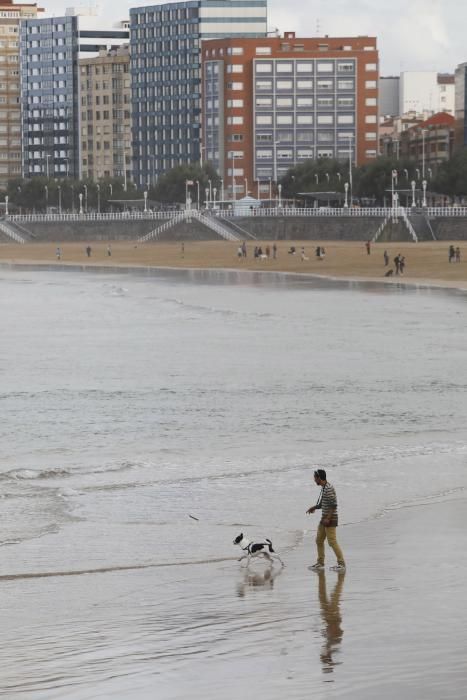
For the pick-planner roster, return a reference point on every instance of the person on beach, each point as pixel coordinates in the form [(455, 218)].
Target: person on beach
[(458, 254), (327, 503), (386, 258), (274, 251), (397, 263), (58, 253), (401, 264), (88, 251), (368, 247), (109, 250), (451, 253), (244, 249)]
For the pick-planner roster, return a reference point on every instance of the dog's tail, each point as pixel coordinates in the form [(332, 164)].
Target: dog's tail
[(270, 545)]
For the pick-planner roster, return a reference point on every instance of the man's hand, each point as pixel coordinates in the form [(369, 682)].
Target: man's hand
[(311, 510)]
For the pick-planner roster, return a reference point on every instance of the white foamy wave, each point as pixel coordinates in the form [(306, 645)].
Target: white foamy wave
[(32, 474)]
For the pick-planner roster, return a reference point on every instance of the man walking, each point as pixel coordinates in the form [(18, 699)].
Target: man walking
[(327, 503)]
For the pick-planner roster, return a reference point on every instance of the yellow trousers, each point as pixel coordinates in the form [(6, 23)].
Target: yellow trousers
[(328, 533)]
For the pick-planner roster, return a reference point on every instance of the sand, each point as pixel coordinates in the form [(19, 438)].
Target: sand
[(426, 263)]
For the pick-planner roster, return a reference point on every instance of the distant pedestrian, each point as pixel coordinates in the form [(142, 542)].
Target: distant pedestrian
[(109, 250), (318, 252), (268, 251), (401, 264), (303, 256), (58, 253), (183, 249), (274, 251), (386, 258), (244, 249), (368, 247), (458, 254), (397, 263), (239, 252), (88, 251), (451, 253)]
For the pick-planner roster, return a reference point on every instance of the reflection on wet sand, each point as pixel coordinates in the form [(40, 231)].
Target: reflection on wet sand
[(332, 628), (257, 579)]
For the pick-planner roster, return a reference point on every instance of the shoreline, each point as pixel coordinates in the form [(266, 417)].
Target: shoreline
[(400, 282)]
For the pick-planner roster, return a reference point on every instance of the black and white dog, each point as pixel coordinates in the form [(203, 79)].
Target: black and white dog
[(256, 549)]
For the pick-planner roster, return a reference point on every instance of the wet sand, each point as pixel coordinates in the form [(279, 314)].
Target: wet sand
[(426, 263)]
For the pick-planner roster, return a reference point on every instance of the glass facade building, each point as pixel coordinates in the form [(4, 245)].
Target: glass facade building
[(166, 76), (49, 97)]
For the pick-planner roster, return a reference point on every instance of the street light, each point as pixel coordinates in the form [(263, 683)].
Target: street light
[(47, 165), (85, 187), (197, 194), (207, 197), (270, 191), (406, 173), (46, 189), (413, 185), (276, 143), (145, 195), (222, 189), (59, 199), (418, 173), (98, 198), (233, 176), (279, 190), (393, 192), (424, 184), (327, 177), (111, 189), (346, 191), (316, 178), (246, 187), (210, 190), (67, 161), (430, 173)]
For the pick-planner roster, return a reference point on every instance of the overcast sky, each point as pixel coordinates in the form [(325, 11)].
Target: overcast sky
[(412, 34)]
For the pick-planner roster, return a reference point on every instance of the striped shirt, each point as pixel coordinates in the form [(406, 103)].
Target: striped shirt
[(328, 501)]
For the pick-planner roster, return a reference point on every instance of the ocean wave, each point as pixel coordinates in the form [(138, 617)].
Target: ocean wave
[(33, 474)]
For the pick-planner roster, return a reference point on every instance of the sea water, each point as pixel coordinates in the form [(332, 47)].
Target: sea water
[(130, 401)]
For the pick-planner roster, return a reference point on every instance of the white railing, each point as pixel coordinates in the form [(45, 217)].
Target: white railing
[(409, 226), (155, 233), (380, 229), (94, 216), (217, 227), (10, 233)]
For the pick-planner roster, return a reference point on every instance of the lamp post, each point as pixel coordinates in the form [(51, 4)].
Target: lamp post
[(346, 192), (85, 187), (274, 165), (46, 190), (327, 177), (417, 170), (246, 187), (393, 193), (214, 192), (111, 190), (47, 165), (6, 205), (233, 176), (59, 199), (350, 170), (206, 191), (80, 202), (67, 162), (210, 190), (430, 173), (406, 173), (279, 190), (270, 191), (145, 195), (197, 194), (98, 198), (413, 185), (258, 190), (222, 189), (316, 178), (338, 176), (424, 184), (72, 199)]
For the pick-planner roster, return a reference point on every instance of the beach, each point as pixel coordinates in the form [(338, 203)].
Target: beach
[(425, 262), (130, 401)]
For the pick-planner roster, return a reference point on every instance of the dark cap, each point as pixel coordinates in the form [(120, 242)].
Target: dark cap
[(320, 473)]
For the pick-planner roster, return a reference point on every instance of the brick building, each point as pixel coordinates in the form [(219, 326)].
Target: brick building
[(271, 103)]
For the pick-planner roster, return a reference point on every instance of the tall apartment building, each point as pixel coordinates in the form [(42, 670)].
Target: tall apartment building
[(460, 138), (105, 97), (271, 103), (426, 92), (50, 116), (11, 15), (166, 76)]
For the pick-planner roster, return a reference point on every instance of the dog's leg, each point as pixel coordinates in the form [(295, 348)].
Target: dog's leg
[(245, 556), (276, 556)]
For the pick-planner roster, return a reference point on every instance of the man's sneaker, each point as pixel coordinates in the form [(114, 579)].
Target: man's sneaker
[(338, 567), (316, 567)]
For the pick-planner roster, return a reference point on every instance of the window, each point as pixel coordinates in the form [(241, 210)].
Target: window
[(235, 68), (370, 84), (235, 86), (234, 121), (284, 119), (370, 67), (370, 153), (284, 67), (263, 50), (284, 153), (325, 84), (325, 119), (284, 102), (325, 67), (325, 136), (235, 103), (263, 67), (284, 85), (345, 135), (304, 85), (325, 102), (345, 102), (370, 136), (370, 102), (325, 153), (345, 119), (304, 67), (345, 67), (370, 119), (264, 102), (304, 102), (236, 51), (304, 119), (304, 153), (264, 84), (264, 119), (263, 153), (345, 84)]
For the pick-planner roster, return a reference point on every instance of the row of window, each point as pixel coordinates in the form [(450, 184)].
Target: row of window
[(267, 51), (105, 69)]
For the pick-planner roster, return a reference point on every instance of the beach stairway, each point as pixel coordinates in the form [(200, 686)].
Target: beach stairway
[(188, 215), (422, 227), (8, 230)]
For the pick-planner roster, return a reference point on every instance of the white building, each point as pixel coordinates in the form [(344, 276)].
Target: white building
[(426, 91)]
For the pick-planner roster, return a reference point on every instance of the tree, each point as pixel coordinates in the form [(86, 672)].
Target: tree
[(322, 175), (172, 186), (374, 179), (451, 178)]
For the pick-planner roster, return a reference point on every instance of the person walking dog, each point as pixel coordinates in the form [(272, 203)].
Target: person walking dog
[(327, 503)]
